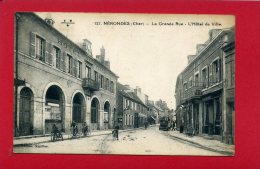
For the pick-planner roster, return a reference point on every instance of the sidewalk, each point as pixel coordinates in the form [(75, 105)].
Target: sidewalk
[(202, 142), (28, 140)]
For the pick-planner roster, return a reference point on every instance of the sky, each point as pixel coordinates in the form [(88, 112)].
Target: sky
[(149, 54)]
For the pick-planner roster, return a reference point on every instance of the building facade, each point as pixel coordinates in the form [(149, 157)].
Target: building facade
[(153, 113), (57, 81), (201, 93), (131, 111), (229, 91)]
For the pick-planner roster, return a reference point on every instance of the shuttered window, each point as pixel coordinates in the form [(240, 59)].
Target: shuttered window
[(40, 48), (79, 69), (69, 64), (215, 71), (88, 72), (112, 86), (63, 62), (37, 47), (32, 45), (204, 77), (57, 57), (96, 76), (107, 84), (74, 67), (49, 53), (102, 81)]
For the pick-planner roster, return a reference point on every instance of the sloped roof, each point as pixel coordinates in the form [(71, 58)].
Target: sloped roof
[(124, 91)]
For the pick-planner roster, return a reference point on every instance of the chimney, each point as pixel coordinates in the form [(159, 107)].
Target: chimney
[(87, 46), (102, 51), (200, 47), (49, 19), (98, 58), (138, 89), (107, 64), (127, 86), (213, 33), (102, 55), (151, 102), (190, 58)]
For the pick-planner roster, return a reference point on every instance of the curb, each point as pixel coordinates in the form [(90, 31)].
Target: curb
[(202, 146)]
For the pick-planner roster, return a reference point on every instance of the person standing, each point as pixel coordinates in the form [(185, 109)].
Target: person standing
[(116, 129), (173, 125), (145, 124), (74, 128), (85, 129), (54, 132)]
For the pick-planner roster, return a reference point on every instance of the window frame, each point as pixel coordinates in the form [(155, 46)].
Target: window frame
[(56, 50), (43, 47)]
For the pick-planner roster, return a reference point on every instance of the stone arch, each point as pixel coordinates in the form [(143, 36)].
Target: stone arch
[(107, 114), (78, 107), (25, 116), (95, 113), (54, 104)]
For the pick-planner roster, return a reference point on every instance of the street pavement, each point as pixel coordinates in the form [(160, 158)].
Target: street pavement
[(204, 142), (137, 141)]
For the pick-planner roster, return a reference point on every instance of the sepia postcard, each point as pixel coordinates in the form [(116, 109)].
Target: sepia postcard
[(128, 84)]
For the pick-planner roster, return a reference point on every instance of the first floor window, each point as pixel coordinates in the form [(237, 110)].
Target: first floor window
[(40, 48), (79, 69), (204, 77), (107, 84), (88, 72), (112, 86), (70, 62), (56, 60), (102, 81)]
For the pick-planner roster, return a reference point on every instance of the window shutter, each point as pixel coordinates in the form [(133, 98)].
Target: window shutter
[(50, 54), (219, 70), (47, 57), (74, 67), (63, 61), (44, 51), (58, 60), (207, 76), (210, 74), (66, 63), (98, 79), (32, 44)]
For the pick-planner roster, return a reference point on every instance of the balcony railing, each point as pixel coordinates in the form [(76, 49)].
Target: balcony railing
[(90, 84), (193, 92), (200, 88)]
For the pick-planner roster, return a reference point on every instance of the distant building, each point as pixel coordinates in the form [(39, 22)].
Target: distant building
[(205, 88), (57, 81), (153, 112), (164, 111), (131, 111)]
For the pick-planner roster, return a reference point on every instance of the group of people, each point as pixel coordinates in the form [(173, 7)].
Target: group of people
[(56, 133), (75, 130)]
